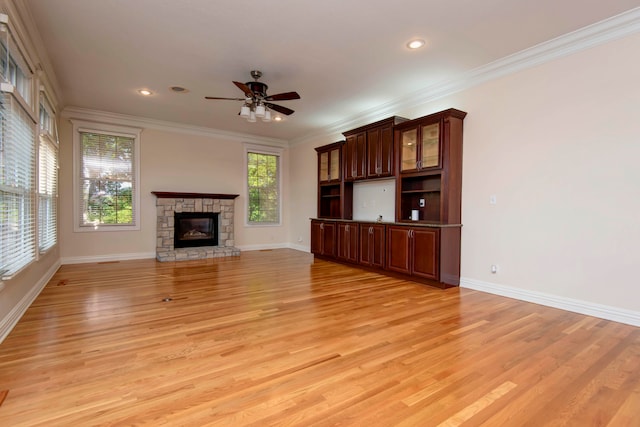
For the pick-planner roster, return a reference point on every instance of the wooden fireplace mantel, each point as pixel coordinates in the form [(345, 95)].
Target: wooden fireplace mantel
[(173, 195)]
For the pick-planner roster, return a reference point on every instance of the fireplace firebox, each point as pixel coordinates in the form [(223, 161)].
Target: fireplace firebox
[(193, 229)]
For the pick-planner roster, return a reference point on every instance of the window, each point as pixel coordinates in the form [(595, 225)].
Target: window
[(17, 160), (13, 68), (263, 185), (47, 178), (17, 186), (106, 179)]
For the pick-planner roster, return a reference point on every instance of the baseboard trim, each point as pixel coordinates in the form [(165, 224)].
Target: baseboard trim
[(11, 319), (264, 247), (601, 311), (107, 258)]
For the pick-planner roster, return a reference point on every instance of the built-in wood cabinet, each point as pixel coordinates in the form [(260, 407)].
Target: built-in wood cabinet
[(430, 168), (329, 162), (420, 147), (323, 238), (372, 244), (348, 236), (414, 251), (335, 196), (370, 150), (424, 156)]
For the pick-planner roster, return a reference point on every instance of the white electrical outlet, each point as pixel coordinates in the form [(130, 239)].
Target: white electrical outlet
[(421, 203), (494, 268), (493, 200)]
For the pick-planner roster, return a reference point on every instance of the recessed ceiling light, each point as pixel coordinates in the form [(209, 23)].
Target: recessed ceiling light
[(145, 92), (415, 44), (277, 118), (179, 89)]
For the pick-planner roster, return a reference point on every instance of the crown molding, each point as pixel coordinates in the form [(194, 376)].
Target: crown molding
[(610, 29), (147, 123)]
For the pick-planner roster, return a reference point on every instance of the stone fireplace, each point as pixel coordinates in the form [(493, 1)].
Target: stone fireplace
[(208, 219)]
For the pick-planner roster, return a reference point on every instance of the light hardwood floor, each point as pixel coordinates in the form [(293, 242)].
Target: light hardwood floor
[(274, 338)]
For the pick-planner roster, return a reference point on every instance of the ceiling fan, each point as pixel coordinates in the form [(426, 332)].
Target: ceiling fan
[(257, 102)]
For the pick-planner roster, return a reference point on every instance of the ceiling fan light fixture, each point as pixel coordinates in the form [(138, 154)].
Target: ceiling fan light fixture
[(245, 111), (252, 117), (260, 110), (267, 116)]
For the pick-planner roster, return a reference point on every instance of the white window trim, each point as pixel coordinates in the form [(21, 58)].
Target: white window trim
[(111, 129), (262, 149)]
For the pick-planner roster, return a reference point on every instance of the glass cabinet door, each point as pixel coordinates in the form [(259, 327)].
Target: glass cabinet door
[(323, 173), (335, 165), (430, 146), (409, 153)]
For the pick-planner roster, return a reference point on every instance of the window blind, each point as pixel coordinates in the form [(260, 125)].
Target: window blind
[(107, 183), (47, 194), (17, 187)]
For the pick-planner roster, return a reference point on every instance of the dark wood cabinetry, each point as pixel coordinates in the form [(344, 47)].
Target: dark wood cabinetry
[(335, 196), (430, 168), (348, 236), (323, 238), (355, 150), (370, 151), (329, 162), (414, 251), (425, 157), (372, 244)]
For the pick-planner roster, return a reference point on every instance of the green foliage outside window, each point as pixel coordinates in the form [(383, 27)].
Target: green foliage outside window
[(263, 188), (107, 184)]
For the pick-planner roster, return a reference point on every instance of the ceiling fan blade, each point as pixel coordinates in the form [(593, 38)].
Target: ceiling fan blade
[(243, 87), (230, 99), (279, 108), (286, 96)]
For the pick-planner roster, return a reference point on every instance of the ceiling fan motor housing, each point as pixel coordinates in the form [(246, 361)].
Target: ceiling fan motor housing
[(258, 88)]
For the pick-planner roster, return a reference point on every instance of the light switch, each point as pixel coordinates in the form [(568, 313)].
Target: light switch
[(493, 199)]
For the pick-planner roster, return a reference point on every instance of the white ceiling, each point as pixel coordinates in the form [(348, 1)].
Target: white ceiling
[(343, 57)]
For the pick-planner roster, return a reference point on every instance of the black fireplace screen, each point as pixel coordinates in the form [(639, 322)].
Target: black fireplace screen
[(192, 229)]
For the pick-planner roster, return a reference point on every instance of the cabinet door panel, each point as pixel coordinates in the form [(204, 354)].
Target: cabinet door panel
[(360, 158), (353, 243), (355, 152), (329, 239), (316, 237), (323, 167), (409, 150), (373, 153), (365, 244), (426, 244), (347, 248), (398, 249), (378, 246), (386, 152), (430, 146), (334, 165)]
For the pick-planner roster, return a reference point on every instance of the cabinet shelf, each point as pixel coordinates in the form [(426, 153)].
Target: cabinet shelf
[(419, 191), (330, 196)]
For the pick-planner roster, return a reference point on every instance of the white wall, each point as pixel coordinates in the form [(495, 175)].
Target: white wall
[(169, 161), (374, 198), (558, 145)]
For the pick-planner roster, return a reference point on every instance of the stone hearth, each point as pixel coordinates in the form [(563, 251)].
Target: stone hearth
[(167, 203)]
